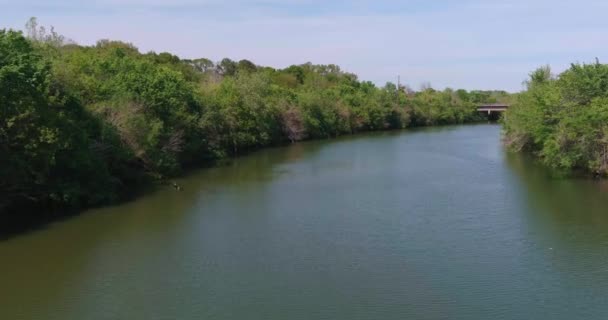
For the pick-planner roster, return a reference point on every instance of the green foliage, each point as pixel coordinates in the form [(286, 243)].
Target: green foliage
[(564, 119), (81, 125), (241, 114), (443, 107), (49, 151)]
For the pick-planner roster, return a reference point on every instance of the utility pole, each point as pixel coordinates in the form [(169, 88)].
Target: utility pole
[(398, 88)]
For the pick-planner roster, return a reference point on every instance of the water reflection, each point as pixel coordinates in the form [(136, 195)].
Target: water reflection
[(48, 268), (567, 201), (567, 220)]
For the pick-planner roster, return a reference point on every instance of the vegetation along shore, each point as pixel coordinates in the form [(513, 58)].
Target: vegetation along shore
[(82, 126), (563, 119)]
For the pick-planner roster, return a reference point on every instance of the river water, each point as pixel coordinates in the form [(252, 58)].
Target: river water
[(436, 223)]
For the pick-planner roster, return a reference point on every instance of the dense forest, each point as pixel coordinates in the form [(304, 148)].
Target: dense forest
[(563, 119), (83, 125)]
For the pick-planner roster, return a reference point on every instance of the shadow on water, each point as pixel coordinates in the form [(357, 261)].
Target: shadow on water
[(258, 166), (49, 265), (32, 218), (568, 216), (255, 165), (582, 201), (566, 228), (69, 249)]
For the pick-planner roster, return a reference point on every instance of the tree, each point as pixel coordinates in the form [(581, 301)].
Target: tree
[(563, 119), (293, 123), (227, 67), (39, 34), (48, 152), (246, 66), (203, 65)]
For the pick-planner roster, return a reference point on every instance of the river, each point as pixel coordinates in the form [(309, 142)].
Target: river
[(438, 223)]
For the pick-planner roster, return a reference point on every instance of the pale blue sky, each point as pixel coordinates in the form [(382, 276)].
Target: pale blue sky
[(470, 44)]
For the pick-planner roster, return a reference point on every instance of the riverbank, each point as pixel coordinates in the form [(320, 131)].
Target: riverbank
[(87, 125), (26, 217), (561, 119)]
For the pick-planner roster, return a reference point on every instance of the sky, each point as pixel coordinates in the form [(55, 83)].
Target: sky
[(470, 44)]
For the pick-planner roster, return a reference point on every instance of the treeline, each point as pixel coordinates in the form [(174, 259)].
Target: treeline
[(563, 119), (83, 125)]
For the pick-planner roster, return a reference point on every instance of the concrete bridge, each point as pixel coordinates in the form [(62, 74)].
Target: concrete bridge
[(493, 109)]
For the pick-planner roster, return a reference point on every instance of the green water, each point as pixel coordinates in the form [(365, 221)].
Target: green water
[(426, 224)]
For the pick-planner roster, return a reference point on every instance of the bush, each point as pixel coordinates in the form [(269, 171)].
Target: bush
[(563, 119)]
